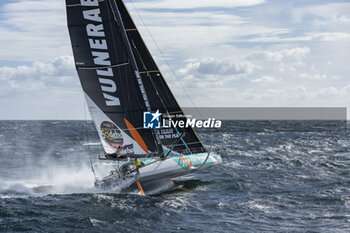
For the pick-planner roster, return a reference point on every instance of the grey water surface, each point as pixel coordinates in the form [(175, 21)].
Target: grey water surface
[(275, 177)]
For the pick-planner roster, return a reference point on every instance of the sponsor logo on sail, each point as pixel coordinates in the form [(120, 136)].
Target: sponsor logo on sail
[(111, 134), (99, 50)]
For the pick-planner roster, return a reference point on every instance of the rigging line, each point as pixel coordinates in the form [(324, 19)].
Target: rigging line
[(85, 126), (182, 140), (92, 168), (166, 61)]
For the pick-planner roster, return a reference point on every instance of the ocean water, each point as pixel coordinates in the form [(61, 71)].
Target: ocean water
[(275, 177)]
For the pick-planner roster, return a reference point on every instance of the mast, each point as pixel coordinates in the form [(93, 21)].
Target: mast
[(119, 21)]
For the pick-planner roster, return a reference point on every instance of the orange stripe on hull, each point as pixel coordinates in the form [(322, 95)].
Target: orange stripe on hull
[(137, 137)]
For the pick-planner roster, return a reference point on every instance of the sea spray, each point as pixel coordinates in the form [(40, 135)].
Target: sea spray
[(54, 180)]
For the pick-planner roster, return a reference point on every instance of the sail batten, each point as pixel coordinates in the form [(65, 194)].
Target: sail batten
[(101, 67)]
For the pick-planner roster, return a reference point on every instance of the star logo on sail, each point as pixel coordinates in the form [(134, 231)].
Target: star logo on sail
[(152, 120)]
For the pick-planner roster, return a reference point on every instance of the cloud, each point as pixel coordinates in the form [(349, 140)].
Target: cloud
[(40, 76), (41, 90), (29, 27), (178, 30), (171, 19), (208, 66), (330, 36), (33, 30), (313, 76), (332, 92), (302, 37), (209, 80), (297, 53), (323, 14), (195, 4), (266, 79)]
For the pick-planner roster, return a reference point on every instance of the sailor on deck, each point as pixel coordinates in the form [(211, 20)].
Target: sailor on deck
[(137, 163)]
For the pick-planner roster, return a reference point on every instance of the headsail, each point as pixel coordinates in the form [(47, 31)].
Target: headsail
[(120, 79), (159, 94)]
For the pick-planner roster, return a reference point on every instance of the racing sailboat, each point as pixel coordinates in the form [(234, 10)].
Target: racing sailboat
[(123, 86)]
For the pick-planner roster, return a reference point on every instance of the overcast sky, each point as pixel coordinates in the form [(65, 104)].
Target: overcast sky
[(239, 53)]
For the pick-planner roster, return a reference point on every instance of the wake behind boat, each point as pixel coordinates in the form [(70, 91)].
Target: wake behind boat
[(126, 95)]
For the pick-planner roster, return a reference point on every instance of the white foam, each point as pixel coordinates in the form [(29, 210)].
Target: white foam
[(259, 206), (96, 222), (92, 144), (232, 164), (57, 180), (175, 202)]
